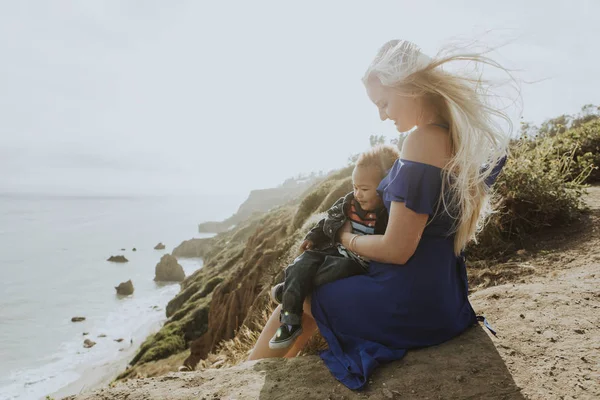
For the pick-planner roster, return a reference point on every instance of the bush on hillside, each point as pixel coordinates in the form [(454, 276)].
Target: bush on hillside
[(584, 144), (540, 186)]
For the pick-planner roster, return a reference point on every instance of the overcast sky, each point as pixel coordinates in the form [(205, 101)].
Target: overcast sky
[(133, 97)]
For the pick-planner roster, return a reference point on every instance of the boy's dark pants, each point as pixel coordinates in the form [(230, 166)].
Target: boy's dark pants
[(309, 270)]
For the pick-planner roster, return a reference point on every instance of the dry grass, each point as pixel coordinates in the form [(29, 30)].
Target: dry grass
[(236, 350), (343, 187), (311, 203)]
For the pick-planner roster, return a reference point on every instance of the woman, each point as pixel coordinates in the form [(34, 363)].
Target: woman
[(415, 294)]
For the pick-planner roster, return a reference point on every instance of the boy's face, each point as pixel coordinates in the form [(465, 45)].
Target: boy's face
[(365, 181)]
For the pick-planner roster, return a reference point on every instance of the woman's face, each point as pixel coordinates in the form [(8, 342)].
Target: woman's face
[(393, 105)]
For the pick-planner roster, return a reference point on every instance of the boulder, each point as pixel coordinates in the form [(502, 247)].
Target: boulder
[(169, 270), (85, 333), (77, 319), (118, 340), (102, 335), (134, 249), (87, 343), (117, 259), (125, 288), (159, 246), (122, 249)]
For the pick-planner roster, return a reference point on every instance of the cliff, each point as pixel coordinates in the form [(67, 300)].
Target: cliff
[(258, 202)]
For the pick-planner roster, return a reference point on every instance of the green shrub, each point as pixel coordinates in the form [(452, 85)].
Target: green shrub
[(537, 188), (163, 349), (584, 144), (162, 344)]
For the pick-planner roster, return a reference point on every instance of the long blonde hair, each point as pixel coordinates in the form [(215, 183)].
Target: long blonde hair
[(464, 102)]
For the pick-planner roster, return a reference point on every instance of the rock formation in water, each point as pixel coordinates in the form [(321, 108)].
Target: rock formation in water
[(125, 288), (117, 259), (169, 270)]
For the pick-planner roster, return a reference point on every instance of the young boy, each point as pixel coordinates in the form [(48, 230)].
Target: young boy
[(324, 260)]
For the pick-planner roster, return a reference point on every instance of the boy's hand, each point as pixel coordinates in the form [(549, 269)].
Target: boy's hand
[(306, 245)]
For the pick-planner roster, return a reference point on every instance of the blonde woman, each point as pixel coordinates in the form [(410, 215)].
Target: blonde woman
[(415, 293)]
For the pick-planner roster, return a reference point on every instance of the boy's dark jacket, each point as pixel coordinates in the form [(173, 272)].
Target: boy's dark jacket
[(323, 235)]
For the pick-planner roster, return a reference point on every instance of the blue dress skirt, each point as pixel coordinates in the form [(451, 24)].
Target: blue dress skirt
[(375, 318)]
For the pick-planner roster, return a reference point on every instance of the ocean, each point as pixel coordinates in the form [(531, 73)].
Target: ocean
[(53, 252)]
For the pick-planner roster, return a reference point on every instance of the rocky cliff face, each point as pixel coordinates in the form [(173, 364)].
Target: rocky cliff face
[(230, 291), (193, 248), (259, 202)]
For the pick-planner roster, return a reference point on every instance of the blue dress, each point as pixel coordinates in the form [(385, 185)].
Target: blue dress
[(375, 318)]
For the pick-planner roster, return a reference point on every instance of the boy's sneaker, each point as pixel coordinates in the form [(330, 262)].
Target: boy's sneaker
[(277, 293), (285, 337)]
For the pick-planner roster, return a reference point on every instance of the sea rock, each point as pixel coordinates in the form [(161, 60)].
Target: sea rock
[(134, 249), (118, 340), (102, 335), (159, 246), (85, 333), (77, 319), (117, 259), (169, 270), (125, 288), (87, 343), (122, 249)]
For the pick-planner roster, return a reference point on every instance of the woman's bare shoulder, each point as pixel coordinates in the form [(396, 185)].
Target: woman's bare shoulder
[(429, 145)]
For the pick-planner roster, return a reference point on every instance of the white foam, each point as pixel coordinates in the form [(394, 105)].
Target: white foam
[(133, 320)]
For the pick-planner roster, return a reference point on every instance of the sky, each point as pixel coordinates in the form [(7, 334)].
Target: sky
[(198, 97)]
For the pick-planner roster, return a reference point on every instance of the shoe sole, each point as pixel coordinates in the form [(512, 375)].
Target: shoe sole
[(273, 291), (287, 343)]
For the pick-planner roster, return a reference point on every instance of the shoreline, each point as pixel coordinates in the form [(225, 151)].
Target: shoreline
[(101, 375)]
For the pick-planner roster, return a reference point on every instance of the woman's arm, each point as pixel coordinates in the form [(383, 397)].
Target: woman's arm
[(429, 145), (398, 243)]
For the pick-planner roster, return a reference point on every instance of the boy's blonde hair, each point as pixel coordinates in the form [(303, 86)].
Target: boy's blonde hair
[(381, 157)]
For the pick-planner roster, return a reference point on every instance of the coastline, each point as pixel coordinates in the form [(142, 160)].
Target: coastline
[(100, 375), (94, 378), (102, 372)]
